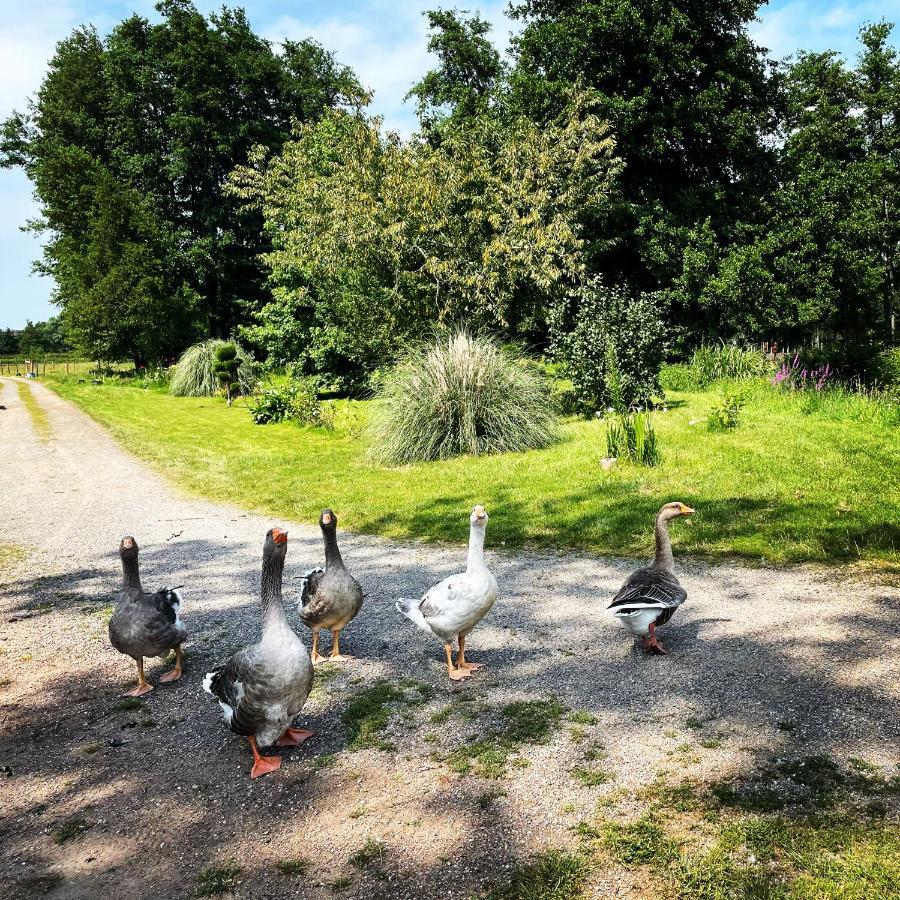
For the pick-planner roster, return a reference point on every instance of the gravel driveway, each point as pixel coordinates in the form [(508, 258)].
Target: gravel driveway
[(762, 661)]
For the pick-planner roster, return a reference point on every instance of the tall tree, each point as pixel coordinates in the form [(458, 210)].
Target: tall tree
[(129, 143), (689, 98), (468, 73)]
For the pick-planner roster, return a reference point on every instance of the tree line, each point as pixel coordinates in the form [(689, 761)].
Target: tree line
[(637, 176)]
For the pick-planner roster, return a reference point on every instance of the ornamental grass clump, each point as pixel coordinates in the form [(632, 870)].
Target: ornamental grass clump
[(462, 394), (631, 436), (194, 373)]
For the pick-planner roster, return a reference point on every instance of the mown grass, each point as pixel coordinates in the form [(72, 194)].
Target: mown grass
[(788, 485), (39, 419)]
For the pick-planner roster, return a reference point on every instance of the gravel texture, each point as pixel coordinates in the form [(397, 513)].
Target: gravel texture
[(763, 662)]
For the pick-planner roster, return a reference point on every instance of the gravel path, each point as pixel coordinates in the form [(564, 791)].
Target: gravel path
[(770, 661)]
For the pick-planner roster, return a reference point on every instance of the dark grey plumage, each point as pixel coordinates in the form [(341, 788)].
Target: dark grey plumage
[(144, 624), (330, 597), (262, 687)]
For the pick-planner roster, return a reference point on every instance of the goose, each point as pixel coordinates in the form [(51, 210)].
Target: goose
[(262, 687), (329, 597), (145, 624), (650, 596), (454, 606)]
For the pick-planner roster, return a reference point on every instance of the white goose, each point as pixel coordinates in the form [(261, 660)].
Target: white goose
[(454, 606)]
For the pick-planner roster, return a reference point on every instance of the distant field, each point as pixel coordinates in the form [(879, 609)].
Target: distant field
[(788, 485)]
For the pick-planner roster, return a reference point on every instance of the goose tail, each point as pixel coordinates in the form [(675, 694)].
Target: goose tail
[(411, 609)]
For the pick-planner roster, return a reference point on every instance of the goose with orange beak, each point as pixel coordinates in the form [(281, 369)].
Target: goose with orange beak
[(262, 687), (650, 596)]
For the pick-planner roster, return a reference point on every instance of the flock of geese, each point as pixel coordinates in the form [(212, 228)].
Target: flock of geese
[(263, 687)]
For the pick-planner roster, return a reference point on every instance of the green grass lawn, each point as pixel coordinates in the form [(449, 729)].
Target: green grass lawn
[(785, 486)]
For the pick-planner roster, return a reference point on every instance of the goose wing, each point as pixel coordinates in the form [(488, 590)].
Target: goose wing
[(649, 589), (233, 686), (312, 605), (444, 596)]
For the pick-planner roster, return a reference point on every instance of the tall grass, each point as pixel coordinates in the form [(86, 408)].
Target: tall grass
[(721, 361), (193, 375), (853, 403), (463, 394)]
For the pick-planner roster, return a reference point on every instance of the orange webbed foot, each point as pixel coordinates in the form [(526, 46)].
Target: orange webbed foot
[(174, 675), (293, 737), (140, 690), (262, 765), (459, 674)]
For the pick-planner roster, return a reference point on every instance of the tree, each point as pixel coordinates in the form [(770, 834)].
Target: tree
[(138, 132), (469, 70), (376, 240), (689, 99)]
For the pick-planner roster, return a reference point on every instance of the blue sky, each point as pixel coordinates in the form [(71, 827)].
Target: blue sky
[(383, 41)]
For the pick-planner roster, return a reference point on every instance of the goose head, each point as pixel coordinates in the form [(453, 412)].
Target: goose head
[(128, 548), (674, 510), (276, 542), (328, 520), (479, 517)]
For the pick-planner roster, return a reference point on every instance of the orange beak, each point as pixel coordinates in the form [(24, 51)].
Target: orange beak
[(279, 536), (686, 510)]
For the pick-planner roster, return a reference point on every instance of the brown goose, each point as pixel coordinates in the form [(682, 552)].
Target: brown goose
[(650, 596), (145, 624), (329, 597), (262, 687)]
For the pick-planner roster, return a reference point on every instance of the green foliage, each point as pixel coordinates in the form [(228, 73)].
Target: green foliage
[(296, 400), (718, 362), (375, 240), (372, 853), (552, 875), (678, 377), (294, 868), (128, 144), (610, 343), (367, 716), (225, 368), (194, 374), (462, 394), (631, 436), (215, 880), (726, 413)]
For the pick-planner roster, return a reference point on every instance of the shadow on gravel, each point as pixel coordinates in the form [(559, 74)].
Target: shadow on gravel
[(133, 800)]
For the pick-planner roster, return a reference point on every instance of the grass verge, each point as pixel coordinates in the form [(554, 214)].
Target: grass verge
[(38, 415), (788, 485)]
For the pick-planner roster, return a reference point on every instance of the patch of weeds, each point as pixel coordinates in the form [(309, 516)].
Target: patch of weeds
[(25, 657), (148, 723), (324, 761), (552, 875), (580, 717), (588, 777), (485, 758), (344, 883), (485, 800), (532, 721), (519, 762), (129, 704), (217, 879), (371, 853), (576, 734), (358, 813), (693, 723), (567, 808), (91, 748), (367, 715), (670, 733), (710, 743), (292, 867), (682, 797), (819, 773), (422, 688), (641, 842), (74, 827), (594, 753), (785, 726)]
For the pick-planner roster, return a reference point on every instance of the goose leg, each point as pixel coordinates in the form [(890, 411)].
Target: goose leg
[(455, 674), (143, 686), (175, 674), (461, 659), (316, 658), (336, 648), (652, 645), (293, 737), (262, 765)]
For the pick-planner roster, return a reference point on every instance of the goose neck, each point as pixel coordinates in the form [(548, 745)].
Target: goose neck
[(475, 558), (663, 559), (272, 605), (333, 559), (131, 574)]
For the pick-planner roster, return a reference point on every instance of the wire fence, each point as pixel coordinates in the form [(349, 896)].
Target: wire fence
[(35, 366)]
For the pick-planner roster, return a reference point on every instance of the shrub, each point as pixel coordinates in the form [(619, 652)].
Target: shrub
[(632, 436), (296, 401), (726, 413), (462, 394), (193, 375), (225, 368), (722, 361), (678, 377), (611, 344)]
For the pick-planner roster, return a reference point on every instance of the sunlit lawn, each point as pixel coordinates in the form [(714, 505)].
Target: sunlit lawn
[(784, 486)]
